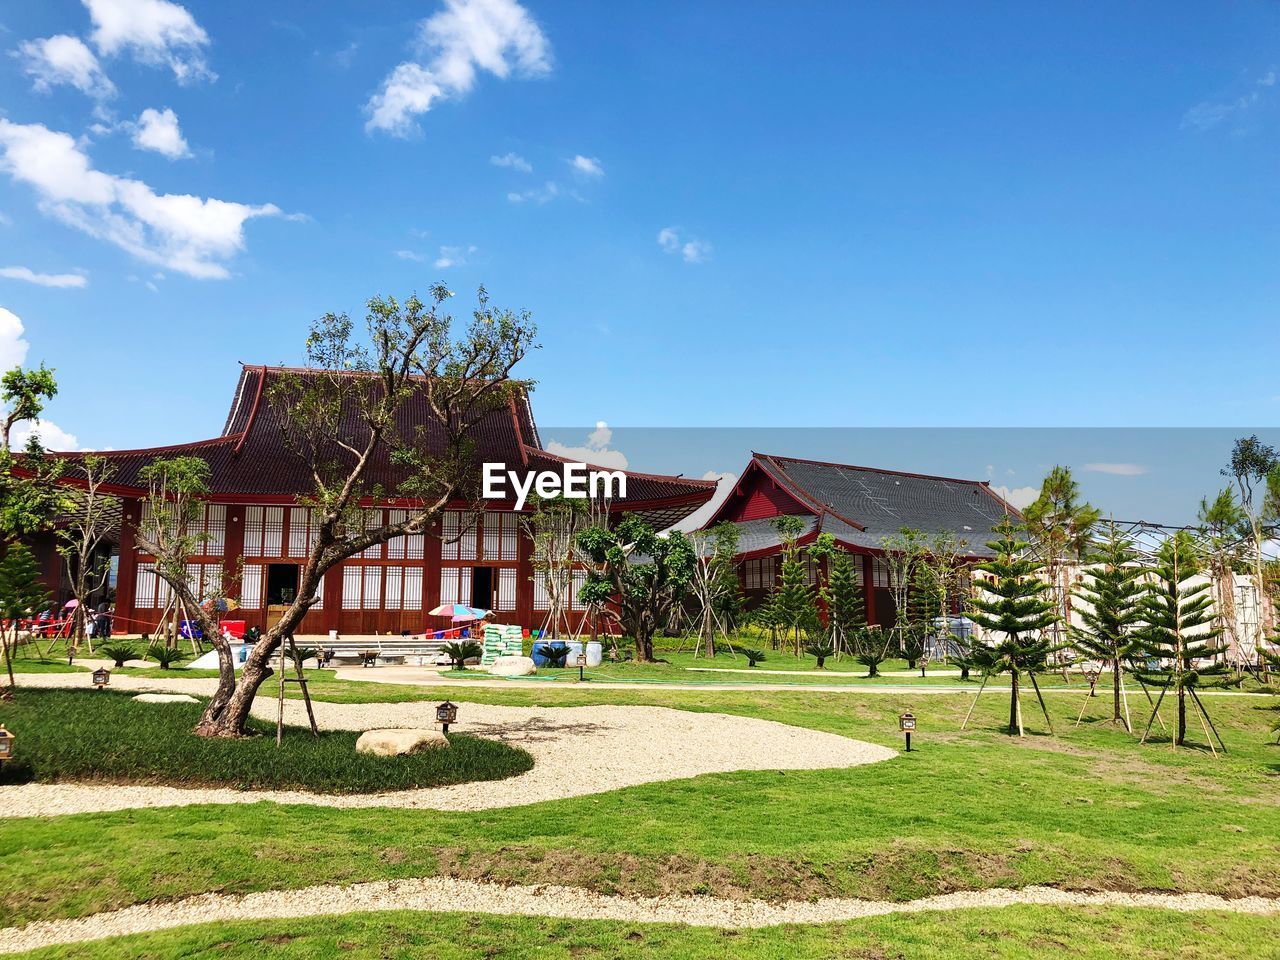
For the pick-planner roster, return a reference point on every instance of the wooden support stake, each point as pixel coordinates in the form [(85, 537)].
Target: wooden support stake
[(1196, 697), (1035, 686), (981, 687), (1154, 713)]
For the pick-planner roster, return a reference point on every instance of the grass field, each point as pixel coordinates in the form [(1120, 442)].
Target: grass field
[(1012, 933), (1086, 809), (87, 735)]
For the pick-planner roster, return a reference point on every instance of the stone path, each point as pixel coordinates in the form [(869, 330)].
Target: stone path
[(576, 750), (440, 894)]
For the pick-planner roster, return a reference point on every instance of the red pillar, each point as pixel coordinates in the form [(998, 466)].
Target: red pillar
[(524, 578), (232, 553), (869, 587), (127, 568)]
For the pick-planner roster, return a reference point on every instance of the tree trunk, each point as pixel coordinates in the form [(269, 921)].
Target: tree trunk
[(644, 645), (1013, 703), (228, 711), (1182, 717), (1115, 691), (708, 634)]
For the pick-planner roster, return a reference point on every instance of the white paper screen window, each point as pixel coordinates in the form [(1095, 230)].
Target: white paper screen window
[(352, 579), (216, 528), (299, 531), (372, 588), (251, 586)]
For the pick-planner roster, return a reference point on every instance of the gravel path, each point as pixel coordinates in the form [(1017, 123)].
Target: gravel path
[(576, 750), (439, 894)]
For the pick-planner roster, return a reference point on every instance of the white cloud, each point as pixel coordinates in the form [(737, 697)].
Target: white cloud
[(52, 61), (1116, 469), (699, 517), (52, 436), (543, 194), (1018, 497), (587, 166), (158, 131), (1209, 114), (596, 451), (691, 249), (512, 160), (44, 279), (453, 257), (185, 233), (156, 32), (411, 255), (497, 36), (13, 348)]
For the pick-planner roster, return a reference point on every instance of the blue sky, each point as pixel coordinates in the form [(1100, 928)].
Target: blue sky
[(748, 214)]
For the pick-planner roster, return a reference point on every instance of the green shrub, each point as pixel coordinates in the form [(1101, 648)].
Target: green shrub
[(88, 735), (753, 656), (556, 653), (820, 650), (119, 652), (460, 651), (165, 657)]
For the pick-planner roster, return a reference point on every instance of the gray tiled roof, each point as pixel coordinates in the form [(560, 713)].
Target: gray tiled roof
[(884, 501)]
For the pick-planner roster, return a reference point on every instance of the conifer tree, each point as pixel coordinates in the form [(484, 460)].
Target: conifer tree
[(845, 605), (1178, 635), (795, 601), (1016, 611), (22, 595), (1110, 614), (1060, 524)]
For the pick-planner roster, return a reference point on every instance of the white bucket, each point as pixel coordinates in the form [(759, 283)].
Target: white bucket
[(333, 636)]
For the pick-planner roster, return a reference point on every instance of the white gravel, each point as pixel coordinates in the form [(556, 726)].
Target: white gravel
[(576, 750), (440, 894)]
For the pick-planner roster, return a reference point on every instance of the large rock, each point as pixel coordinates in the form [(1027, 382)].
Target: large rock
[(513, 667), (399, 743), (165, 698)]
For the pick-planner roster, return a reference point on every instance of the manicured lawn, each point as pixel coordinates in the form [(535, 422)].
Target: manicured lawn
[(1011, 933), (1087, 809), (79, 735)]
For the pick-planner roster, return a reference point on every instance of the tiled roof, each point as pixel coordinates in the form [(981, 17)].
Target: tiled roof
[(861, 506), (251, 458)]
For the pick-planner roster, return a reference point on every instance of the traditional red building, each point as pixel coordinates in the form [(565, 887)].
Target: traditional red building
[(258, 534), (860, 507)]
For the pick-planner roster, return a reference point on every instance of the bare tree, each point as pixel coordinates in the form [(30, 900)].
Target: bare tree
[(342, 416), (94, 515)]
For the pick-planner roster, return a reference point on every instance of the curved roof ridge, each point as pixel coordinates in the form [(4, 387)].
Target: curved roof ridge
[(800, 493), (855, 466), (705, 484)]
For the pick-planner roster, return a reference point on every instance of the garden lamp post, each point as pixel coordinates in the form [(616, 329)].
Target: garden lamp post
[(101, 677), (582, 663), (1092, 675), (907, 724), (6, 744), (446, 714)]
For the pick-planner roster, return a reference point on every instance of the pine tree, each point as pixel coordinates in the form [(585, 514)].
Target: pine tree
[(22, 595), (1178, 633), (794, 603), (924, 598), (1017, 609), (845, 605), (1111, 613)]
